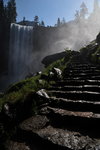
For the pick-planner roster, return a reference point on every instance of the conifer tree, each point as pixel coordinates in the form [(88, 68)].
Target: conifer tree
[(58, 22), (77, 15), (36, 21), (11, 11), (1, 22), (83, 10), (42, 23), (1, 11), (24, 21), (63, 21)]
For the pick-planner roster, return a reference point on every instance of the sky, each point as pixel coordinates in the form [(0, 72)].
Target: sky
[(49, 10)]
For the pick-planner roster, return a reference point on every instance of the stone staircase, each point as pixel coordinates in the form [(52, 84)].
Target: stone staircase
[(71, 117)]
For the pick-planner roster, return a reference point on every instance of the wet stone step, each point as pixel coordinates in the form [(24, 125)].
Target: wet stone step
[(66, 139), (75, 105), (82, 71), (77, 95), (91, 77), (77, 82), (95, 88), (82, 74), (81, 77), (82, 67), (77, 119), (78, 63)]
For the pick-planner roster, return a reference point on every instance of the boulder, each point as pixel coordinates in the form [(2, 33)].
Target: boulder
[(13, 145), (57, 73), (9, 110), (42, 93), (39, 125), (98, 39), (34, 123), (52, 58)]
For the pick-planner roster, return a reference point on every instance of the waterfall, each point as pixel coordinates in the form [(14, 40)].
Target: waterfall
[(21, 54)]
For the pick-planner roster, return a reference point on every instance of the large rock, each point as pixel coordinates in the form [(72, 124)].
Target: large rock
[(57, 72), (12, 145), (98, 38), (54, 57), (39, 125), (34, 123), (43, 93)]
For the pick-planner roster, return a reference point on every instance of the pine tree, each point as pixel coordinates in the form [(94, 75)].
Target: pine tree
[(63, 21), (24, 21), (77, 15), (1, 11), (83, 10), (1, 19), (58, 22), (42, 23), (11, 11), (36, 21)]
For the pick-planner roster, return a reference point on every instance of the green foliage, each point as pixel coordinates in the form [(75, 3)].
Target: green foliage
[(95, 57), (58, 64), (19, 91), (61, 63), (91, 52), (83, 50)]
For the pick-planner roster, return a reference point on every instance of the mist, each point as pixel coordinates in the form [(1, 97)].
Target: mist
[(80, 31)]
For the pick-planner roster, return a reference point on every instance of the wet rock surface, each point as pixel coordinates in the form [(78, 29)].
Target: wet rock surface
[(71, 117), (68, 115), (35, 123), (12, 145)]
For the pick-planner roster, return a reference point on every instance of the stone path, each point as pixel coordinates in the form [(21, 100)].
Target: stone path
[(70, 118)]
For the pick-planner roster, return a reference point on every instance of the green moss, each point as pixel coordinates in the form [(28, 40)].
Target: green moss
[(61, 63), (20, 90), (26, 84), (57, 64)]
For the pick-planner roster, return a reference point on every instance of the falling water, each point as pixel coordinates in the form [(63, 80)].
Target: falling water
[(21, 51)]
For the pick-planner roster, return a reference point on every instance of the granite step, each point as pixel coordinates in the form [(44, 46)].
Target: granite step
[(76, 95), (92, 88), (66, 139), (83, 71), (81, 77), (75, 105), (77, 119), (77, 82), (82, 67), (83, 74)]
